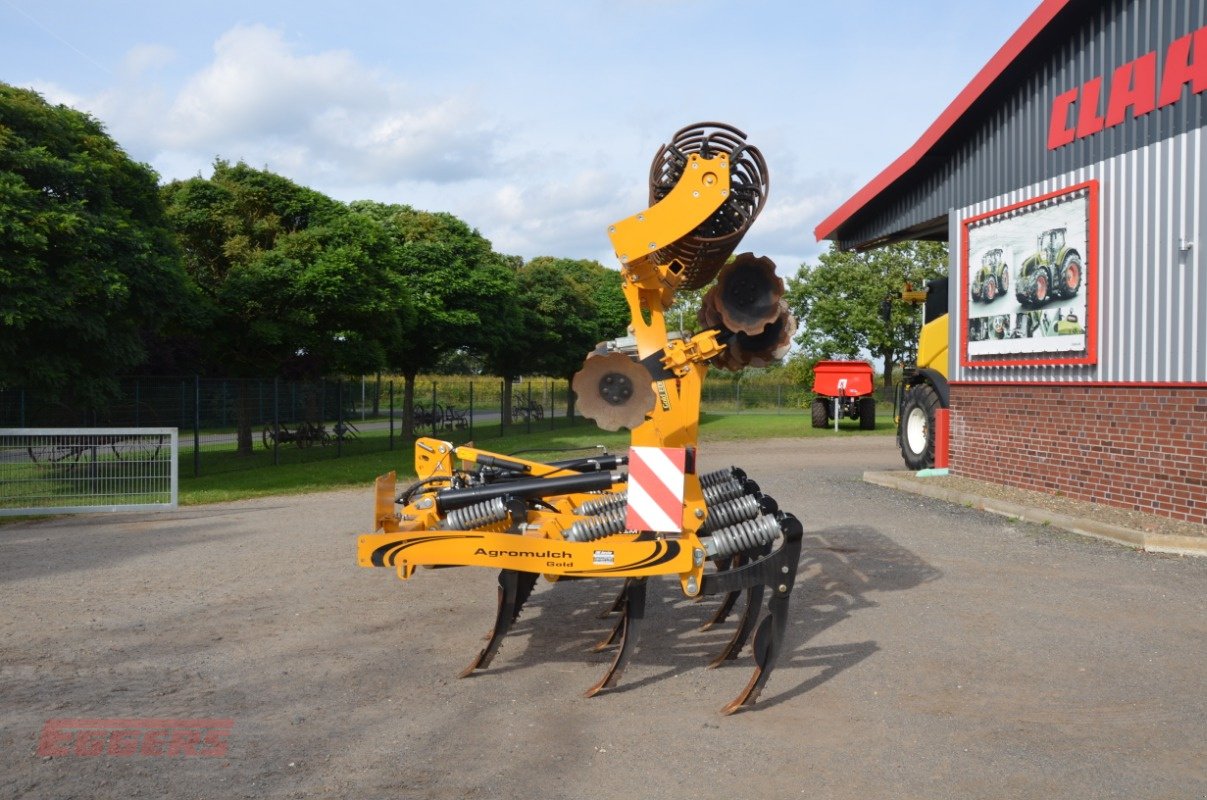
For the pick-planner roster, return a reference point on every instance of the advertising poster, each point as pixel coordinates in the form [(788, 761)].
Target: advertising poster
[(1026, 278)]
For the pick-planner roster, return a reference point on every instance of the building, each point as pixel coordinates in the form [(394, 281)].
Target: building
[(1068, 180)]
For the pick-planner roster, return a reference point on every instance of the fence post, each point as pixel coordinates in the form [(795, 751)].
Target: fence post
[(502, 409), (339, 423), (196, 426), (528, 416), (433, 409), (391, 413), (779, 398), (276, 421), (471, 411), (737, 397)]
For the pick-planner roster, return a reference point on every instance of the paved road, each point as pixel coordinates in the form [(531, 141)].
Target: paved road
[(934, 652)]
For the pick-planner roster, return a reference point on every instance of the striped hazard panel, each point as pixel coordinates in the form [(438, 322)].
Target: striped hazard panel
[(656, 489)]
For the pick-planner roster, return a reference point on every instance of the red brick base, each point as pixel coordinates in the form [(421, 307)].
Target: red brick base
[(1142, 448)]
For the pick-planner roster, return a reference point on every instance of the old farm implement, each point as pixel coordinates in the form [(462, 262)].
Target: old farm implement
[(647, 513)]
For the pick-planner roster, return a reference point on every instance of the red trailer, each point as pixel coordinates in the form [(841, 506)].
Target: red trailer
[(843, 389)]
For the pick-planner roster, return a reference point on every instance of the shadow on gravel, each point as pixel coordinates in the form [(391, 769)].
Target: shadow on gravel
[(841, 568)]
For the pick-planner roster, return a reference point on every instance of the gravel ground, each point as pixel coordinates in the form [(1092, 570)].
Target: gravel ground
[(934, 651)]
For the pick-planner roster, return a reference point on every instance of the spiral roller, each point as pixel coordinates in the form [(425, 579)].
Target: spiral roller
[(597, 527), (478, 515), (742, 537), (704, 252)]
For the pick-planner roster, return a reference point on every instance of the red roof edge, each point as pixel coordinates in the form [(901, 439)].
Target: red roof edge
[(1015, 45)]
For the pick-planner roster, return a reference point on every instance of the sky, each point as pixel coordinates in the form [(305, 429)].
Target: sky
[(534, 122)]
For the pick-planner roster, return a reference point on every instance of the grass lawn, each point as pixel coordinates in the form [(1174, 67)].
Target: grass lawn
[(313, 470)]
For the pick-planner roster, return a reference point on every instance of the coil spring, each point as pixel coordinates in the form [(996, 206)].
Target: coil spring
[(602, 505), (479, 515), (588, 530), (717, 476), (730, 513), (749, 535), (723, 492)]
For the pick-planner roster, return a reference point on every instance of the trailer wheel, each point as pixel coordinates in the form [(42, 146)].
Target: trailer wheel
[(917, 434), (821, 412), (867, 413)]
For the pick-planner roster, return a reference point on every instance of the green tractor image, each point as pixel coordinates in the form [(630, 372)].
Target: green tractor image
[(993, 278), (1053, 272)]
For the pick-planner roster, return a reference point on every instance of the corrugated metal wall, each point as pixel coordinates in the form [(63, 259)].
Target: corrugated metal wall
[(1152, 295), (1002, 145)]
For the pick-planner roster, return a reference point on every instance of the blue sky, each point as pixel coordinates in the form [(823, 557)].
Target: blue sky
[(535, 122)]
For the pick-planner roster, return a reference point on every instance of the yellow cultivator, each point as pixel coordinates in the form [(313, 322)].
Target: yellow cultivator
[(649, 512)]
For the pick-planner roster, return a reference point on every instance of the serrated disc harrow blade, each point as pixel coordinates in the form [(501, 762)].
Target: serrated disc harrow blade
[(772, 344), (614, 391), (748, 294)]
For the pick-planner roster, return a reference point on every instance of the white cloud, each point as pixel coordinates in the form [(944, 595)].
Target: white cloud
[(323, 119)]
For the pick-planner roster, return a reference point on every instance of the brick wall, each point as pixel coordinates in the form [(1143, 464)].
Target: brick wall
[(1140, 448)]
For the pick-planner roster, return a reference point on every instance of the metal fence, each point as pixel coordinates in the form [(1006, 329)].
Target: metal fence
[(64, 470), (297, 421)]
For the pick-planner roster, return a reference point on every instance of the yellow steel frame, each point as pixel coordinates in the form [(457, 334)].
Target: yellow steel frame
[(407, 539)]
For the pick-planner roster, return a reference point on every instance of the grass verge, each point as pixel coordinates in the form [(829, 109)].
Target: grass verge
[(357, 469)]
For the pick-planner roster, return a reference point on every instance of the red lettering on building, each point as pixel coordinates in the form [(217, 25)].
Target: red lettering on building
[(1133, 86)]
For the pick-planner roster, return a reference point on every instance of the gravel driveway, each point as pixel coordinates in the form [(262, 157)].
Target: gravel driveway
[(933, 652)]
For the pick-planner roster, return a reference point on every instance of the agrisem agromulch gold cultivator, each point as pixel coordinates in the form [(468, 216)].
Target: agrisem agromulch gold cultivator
[(647, 513)]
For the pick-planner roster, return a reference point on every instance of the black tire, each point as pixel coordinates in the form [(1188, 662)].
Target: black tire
[(1070, 277), (867, 413), (917, 433), (821, 412), (990, 289)]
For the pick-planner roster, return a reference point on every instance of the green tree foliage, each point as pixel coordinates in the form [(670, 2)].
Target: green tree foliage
[(295, 282), (89, 272), (838, 301), (569, 306), (464, 294)]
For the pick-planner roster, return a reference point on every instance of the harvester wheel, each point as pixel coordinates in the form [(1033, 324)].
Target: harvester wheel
[(990, 289), (917, 434), (821, 412), (867, 413)]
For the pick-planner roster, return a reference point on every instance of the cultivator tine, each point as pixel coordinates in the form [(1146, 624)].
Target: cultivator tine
[(508, 611), (767, 644), (617, 604), (634, 613), (750, 615), (723, 610), (775, 569)]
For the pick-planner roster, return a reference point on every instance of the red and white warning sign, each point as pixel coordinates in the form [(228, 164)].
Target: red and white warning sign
[(656, 489)]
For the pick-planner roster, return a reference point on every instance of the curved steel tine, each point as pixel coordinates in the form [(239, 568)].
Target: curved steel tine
[(507, 612), (750, 615), (767, 644), (634, 613)]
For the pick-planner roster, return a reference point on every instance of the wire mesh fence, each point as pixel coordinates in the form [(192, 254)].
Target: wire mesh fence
[(234, 424), (61, 470)]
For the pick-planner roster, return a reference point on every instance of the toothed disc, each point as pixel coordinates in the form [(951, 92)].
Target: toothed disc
[(614, 390), (748, 293)]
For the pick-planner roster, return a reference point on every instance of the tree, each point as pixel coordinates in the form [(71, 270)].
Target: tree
[(570, 306), (838, 301), (296, 282), (462, 291), (89, 272)]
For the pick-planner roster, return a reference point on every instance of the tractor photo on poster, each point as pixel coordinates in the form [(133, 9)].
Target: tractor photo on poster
[(1027, 277)]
